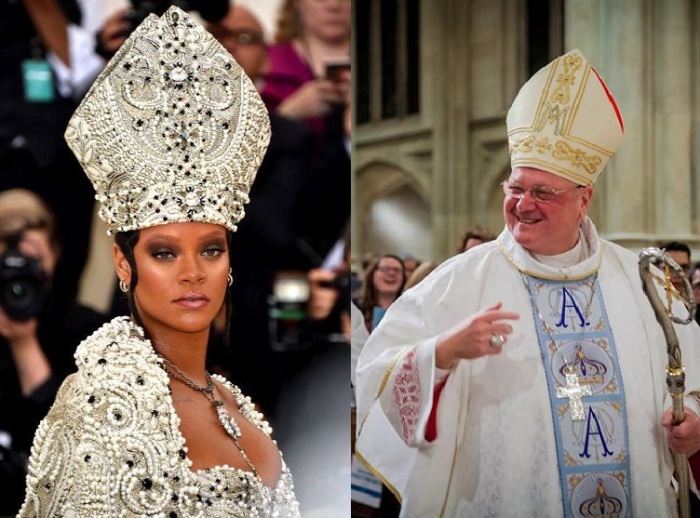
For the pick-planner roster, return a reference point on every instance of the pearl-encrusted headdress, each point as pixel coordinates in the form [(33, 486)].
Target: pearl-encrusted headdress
[(172, 130)]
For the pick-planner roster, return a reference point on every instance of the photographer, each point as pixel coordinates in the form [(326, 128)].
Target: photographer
[(38, 332), (119, 26)]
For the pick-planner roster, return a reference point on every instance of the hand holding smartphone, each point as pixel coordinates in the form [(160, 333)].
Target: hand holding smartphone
[(335, 67)]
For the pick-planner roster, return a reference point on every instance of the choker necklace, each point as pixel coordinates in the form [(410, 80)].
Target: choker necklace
[(573, 390), (228, 422)]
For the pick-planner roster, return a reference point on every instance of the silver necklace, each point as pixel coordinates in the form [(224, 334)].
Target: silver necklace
[(229, 423), (573, 390)]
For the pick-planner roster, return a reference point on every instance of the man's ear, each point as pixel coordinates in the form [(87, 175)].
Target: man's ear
[(121, 265), (586, 200)]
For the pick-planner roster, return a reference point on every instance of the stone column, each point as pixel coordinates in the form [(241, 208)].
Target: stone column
[(642, 50)]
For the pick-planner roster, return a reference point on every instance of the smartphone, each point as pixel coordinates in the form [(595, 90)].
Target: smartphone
[(335, 67)]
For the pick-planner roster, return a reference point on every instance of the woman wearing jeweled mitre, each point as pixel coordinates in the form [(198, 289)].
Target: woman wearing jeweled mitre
[(171, 135)]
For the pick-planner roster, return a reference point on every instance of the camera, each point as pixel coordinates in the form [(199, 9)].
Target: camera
[(342, 283), (23, 282), (287, 312), (210, 10)]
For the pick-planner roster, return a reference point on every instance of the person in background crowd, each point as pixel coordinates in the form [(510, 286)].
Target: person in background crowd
[(48, 63), (421, 272), (474, 236), (38, 332), (680, 252), (410, 263), (695, 286), (384, 282), (299, 82)]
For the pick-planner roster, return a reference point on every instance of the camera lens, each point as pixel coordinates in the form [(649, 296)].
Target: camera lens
[(21, 298), (19, 293), (22, 285)]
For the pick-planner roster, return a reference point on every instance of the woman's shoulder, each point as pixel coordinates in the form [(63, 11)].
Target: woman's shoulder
[(286, 61), (118, 340)]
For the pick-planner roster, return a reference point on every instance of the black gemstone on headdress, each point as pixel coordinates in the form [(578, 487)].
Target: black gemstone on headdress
[(87, 458), (130, 463), (139, 380), (147, 483), (91, 399), (101, 361)]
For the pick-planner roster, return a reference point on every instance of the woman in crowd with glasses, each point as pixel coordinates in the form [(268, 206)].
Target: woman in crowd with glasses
[(384, 282)]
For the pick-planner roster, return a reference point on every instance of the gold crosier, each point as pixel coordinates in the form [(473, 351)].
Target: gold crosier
[(675, 374)]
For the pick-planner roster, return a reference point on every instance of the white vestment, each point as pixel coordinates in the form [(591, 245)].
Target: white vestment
[(495, 453)]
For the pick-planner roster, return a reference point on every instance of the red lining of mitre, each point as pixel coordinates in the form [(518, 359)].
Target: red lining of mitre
[(611, 99)]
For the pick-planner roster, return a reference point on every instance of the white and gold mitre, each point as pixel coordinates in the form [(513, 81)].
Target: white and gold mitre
[(172, 130), (565, 121)]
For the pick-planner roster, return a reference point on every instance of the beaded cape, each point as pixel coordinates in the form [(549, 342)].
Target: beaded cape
[(111, 445)]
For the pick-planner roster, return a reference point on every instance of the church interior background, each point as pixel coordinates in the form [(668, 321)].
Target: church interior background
[(432, 85)]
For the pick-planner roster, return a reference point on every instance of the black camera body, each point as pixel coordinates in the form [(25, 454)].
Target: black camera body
[(210, 10), (23, 283)]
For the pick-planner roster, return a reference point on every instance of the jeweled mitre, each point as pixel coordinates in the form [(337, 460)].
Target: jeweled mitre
[(172, 130), (565, 121)]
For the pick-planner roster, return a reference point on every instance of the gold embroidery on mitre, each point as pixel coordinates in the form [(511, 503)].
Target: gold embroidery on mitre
[(553, 114), (578, 157), (566, 79), (527, 144)]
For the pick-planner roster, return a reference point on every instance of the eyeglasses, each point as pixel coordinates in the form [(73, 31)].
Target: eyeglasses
[(237, 38), (539, 193), (389, 269)]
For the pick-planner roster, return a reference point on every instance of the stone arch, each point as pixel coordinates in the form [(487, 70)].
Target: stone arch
[(378, 182)]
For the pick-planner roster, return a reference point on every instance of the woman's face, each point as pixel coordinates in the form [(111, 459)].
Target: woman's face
[(182, 275), (389, 276), (328, 20)]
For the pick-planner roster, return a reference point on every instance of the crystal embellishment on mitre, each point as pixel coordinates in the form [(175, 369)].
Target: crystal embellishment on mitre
[(172, 130)]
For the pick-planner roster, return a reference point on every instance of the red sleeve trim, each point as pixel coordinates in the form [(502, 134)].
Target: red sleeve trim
[(431, 427)]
